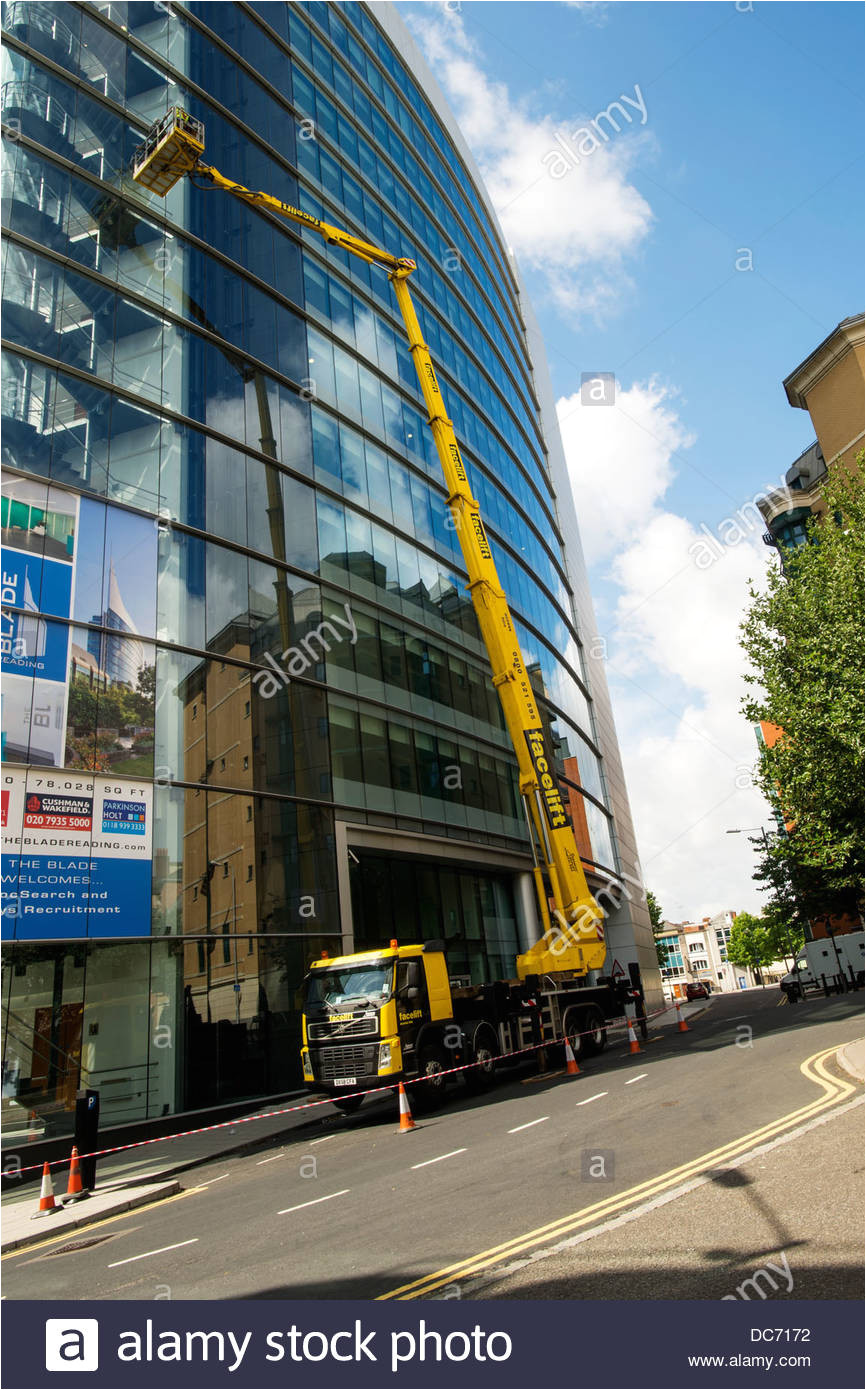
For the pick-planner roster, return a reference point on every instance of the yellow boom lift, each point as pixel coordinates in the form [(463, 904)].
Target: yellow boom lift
[(574, 941)]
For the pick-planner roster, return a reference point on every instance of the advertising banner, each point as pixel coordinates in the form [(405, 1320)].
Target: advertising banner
[(77, 856), (40, 526)]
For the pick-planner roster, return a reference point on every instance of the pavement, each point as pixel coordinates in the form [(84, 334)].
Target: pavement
[(148, 1168), (330, 1208), (21, 1227), (853, 1059)]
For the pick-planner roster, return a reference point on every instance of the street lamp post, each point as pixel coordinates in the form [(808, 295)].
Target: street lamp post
[(750, 830)]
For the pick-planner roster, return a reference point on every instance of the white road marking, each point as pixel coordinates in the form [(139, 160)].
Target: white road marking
[(324, 1140), (147, 1254), (285, 1211), (428, 1161), (268, 1160), (518, 1128), (213, 1180), (637, 1078), (590, 1099)]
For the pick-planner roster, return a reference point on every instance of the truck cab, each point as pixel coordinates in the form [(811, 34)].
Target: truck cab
[(376, 1018)]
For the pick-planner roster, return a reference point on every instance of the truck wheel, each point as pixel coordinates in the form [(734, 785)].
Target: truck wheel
[(432, 1065), (596, 1038), (349, 1104), (485, 1048), (574, 1024)]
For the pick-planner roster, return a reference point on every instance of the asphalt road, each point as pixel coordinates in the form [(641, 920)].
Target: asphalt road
[(351, 1208)]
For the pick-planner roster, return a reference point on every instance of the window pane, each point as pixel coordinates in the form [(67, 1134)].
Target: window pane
[(346, 755), (300, 524), (332, 539), (227, 597), (181, 589)]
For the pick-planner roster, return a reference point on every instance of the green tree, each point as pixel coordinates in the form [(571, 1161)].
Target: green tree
[(655, 911), (750, 946), (797, 894), (141, 701), (803, 637), (657, 920), (786, 937)]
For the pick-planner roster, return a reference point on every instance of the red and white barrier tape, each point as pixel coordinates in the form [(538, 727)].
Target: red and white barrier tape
[(313, 1104)]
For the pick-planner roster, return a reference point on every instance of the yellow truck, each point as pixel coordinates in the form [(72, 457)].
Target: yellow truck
[(376, 1018)]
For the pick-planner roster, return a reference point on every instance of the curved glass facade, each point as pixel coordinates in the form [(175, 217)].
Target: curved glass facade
[(236, 636)]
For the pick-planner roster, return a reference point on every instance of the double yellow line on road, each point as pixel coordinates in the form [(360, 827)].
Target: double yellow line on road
[(834, 1092)]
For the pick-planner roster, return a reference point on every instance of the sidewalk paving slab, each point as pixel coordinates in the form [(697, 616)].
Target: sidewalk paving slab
[(20, 1229)]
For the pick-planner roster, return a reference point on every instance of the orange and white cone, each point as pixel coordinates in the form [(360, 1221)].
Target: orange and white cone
[(681, 1023), (633, 1045), (406, 1121), (74, 1188), (46, 1195), (570, 1060)]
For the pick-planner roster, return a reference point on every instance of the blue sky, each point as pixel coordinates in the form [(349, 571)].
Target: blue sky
[(699, 253)]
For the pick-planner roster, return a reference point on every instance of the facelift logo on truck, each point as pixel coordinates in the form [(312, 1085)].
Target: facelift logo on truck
[(478, 528), (457, 462), (554, 809)]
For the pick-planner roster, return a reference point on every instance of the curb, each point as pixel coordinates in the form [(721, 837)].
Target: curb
[(847, 1066), (169, 1189)]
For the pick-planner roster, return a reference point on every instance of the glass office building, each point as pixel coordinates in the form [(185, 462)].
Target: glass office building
[(247, 713)]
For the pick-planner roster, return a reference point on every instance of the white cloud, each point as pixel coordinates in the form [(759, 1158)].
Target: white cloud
[(621, 461), (675, 666), (574, 230), (594, 11)]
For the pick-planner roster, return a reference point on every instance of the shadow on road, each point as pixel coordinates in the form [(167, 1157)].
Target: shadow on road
[(621, 1281)]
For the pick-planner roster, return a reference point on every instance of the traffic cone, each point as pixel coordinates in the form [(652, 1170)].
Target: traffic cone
[(406, 1121), (74, 1188), (681, 1023), (571, 1066), (46, 1195), (32, 1119), (633, 1045)]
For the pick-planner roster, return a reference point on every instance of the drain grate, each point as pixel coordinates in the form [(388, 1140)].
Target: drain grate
[(83, 1244)]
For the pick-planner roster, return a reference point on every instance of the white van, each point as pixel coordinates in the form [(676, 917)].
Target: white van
[(826, 957)]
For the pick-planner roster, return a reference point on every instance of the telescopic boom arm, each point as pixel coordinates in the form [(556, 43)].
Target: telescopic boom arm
[(172, 149)]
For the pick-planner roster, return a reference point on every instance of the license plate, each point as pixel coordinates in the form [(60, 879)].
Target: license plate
[(345, 1081)]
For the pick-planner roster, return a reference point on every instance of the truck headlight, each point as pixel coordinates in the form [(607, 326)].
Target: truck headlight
[(384, 1056)]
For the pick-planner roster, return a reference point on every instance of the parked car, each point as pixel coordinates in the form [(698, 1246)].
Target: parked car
[(696, 989)]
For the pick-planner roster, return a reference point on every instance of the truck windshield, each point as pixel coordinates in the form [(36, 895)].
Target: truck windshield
[(356, 984)]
